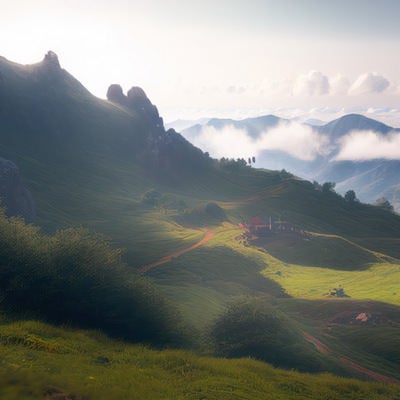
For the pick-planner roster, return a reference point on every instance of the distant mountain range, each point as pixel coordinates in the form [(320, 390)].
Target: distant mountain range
[(370, 178)]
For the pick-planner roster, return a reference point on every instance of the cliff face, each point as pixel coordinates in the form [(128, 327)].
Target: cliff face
[(14, 196)]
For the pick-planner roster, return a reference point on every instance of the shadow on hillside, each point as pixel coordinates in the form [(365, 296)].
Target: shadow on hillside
[(318, 251), (220, 268)]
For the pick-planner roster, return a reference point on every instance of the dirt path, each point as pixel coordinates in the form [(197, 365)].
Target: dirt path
[(317, 344), (175, 254), (372, 374), (347, 362)]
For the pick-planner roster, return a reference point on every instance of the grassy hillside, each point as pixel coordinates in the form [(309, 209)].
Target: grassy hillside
[(40, 361), (110, 168)]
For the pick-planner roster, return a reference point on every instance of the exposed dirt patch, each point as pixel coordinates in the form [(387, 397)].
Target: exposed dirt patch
[(317, 344), (365, 317), (348, 363)]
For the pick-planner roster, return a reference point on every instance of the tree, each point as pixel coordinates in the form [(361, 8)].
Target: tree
[(384, 203), (249, 161), (350, 196), (328, 187), (254, 159)]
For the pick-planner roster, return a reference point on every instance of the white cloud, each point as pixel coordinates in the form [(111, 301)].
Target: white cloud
[(226, 142), (312, 84), (368, 83), (369, 145), (298, 140), (236, 89), (339, 85)]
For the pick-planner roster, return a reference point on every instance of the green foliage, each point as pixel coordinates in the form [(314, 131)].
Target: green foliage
[(328, 187), (169, 201), (76, 277), (384, 204), (232, 165), (203, 215), (350, 196), (251, 327)]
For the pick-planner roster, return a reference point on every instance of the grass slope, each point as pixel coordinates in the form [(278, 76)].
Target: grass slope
[(40, 361)]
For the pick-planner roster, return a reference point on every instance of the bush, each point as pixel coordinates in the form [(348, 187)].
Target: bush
[(76, 277), (203, 215), (251, 327)]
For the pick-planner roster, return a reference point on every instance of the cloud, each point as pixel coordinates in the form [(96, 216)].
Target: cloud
[(369, 82), (339, 85), (312, 84), (225, 142), (300, 141), (234, 89), (369, 145)]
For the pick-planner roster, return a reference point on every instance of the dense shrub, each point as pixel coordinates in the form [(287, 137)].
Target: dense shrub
[(76, 277), (203, 215), (251, 327)]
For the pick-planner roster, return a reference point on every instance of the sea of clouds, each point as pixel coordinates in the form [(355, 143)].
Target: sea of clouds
[(299, 140)]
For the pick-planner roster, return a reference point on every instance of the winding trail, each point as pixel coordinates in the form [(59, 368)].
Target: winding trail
[(317, 343), (347, 362), (178, 253)]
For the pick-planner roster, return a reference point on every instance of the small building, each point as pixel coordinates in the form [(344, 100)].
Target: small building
[(260, 227)]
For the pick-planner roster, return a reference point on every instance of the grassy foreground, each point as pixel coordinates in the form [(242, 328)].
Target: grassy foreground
[(40, 361)]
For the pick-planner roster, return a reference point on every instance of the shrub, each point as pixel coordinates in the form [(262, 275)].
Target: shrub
[(203, 215), (251, 327), (76, 277)]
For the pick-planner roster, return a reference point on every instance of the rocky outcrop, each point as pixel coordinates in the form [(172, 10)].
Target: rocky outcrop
[(136, 101), (51, 60), (116, 95), (14, 196)]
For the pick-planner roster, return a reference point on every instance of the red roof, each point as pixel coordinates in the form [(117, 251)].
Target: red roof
[(257, 221)]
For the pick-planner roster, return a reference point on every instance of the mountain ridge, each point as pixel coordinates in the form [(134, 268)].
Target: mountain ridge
[(324, 167)]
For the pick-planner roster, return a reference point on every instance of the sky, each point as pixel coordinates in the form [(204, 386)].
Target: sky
[(222, 58)]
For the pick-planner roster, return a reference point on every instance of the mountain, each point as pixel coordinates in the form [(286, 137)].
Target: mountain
[(181, 124), (370, 179), (185, 221), (254, 126), (352, 122)]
